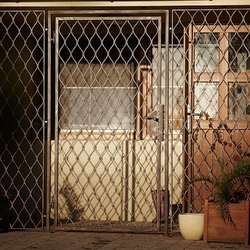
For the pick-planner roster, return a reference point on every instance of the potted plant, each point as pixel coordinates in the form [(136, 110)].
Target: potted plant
[(226, 216)]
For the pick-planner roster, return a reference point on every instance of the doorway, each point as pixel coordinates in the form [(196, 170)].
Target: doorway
[(216, 94), (107, 80)]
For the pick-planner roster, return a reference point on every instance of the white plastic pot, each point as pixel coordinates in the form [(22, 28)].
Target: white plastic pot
[(191, 225)]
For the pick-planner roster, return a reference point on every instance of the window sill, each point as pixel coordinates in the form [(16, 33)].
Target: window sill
[(96, 134)]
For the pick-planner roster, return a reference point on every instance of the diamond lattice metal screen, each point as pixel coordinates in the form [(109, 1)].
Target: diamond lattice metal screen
[(22, 74), (108, 72), (108, 79), (210, 83)]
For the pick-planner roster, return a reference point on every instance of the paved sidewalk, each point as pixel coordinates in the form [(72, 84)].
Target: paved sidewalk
[(19, 240)]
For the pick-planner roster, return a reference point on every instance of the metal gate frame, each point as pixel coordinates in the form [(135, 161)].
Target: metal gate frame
[(52, 16)]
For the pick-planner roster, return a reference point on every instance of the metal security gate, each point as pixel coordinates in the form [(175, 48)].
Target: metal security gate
[(210, 95), (108, 78), (22, 136), (109, 143)]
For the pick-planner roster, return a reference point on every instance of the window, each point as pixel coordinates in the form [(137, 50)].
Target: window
[(220, 65), (97, 96)]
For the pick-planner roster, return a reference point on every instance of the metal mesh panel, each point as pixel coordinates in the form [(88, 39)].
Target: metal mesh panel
[(109, 74), (22, 53), (210, 82), (108, 81)]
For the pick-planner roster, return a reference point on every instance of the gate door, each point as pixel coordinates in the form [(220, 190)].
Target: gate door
[(107, 77), (22, 110), (217, 97)]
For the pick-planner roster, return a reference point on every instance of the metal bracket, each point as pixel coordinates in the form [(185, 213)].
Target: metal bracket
[(156, 122)]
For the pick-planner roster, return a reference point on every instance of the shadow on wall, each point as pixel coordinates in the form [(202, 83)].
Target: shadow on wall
[(21, 154), (72, 201)]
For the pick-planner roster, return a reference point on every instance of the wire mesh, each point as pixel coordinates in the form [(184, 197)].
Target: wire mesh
[(108, 81), (22, 74), (213, 66), (110, 73)]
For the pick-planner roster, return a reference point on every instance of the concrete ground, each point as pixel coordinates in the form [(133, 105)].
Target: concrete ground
[(19, 240)]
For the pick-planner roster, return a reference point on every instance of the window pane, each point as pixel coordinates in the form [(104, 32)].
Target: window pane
[(206, 52), (74, 108), (239, 103), (206, 98), (239, 50), (112, 109), (97, 96)]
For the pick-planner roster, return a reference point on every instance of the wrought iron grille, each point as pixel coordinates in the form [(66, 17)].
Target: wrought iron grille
[(108, 79), (108, 72), (22, 74), (211, 96)]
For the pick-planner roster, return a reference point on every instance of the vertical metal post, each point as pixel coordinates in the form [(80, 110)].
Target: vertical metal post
[(56, 124), (48, 169), (160, 115), (158, 142), (166, 123)]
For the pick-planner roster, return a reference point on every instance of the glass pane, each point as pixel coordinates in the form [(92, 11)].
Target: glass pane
[(112, 109), (74, 108), (206, 98), (206, 52), (239, 103), (239, 48), (97, 108), (97, 96)]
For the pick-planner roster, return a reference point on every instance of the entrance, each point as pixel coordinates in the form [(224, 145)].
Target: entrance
[(128, 112), (216, 94), (108, 78)]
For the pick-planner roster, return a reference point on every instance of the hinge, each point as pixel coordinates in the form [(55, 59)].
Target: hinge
[(53, 39)]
